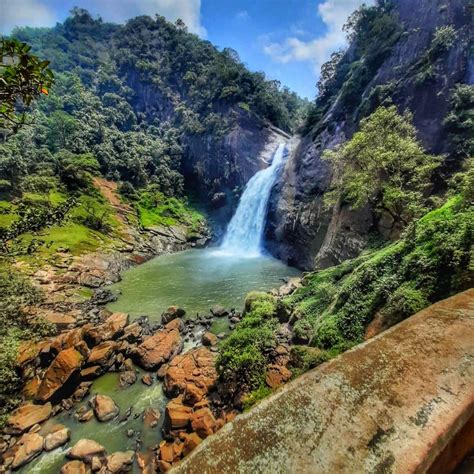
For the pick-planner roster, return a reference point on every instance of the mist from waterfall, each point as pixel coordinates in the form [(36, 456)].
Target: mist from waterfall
[(244, 235)]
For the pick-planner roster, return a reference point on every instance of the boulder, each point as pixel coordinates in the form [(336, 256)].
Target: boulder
[(85, 449), (173, 312), (191, 441), (147, 379), (112, 328), (84, 416), (170, 451), (219, 311), (120, 461), (209, 339), (177, 415), (104, 408), (28, 415), (277, 375), (90, 373), (159, 348), (62, 376), (132, 333), (58, 436), (75, 467), (28, 447), (151, 417), (128, 378), (203, 422), (82, 391), (103, 354), (192, 373)]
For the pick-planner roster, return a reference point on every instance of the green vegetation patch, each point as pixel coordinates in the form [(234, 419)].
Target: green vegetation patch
[(432, 261)]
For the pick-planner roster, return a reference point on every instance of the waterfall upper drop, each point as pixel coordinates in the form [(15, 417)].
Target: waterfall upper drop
[(244, 233)]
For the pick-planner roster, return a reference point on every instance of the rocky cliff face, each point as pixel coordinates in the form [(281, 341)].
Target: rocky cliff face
[(299, 230)]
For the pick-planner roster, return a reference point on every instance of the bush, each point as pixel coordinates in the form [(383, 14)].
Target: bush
[(243, 358)]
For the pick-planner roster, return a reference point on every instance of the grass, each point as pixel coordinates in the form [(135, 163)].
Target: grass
[(155, 209)]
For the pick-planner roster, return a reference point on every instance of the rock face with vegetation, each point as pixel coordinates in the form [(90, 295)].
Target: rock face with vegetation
[(410, 54)]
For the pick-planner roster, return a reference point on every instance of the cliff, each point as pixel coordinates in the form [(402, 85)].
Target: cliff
[(299, 230)]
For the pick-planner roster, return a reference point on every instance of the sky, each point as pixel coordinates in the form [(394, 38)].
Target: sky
[(287, 39)]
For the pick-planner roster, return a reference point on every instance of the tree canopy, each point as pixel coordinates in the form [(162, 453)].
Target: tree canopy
[(384, 165)]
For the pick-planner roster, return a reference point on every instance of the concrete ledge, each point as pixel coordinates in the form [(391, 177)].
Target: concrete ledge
[(391, 405)]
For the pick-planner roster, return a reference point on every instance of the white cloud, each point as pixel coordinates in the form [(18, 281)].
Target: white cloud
[(317, 51), (44, 12), (242, 15), (24, 12)]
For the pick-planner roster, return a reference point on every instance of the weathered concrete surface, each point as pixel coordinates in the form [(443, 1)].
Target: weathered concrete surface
[(391, 405)]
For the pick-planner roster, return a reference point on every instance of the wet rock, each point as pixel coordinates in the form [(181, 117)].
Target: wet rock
[(120, 461), (29, 446), (57, 437), (209, 339), (126, 415), (62, 376), (219, 311), (147, 379), (104, 408), (162, 371), (128, 378), (277, 375), (177, 415), (130, 433), (85, 449), (192, 373), (162, 346), (28, 415), (173, 312), (75, 467), (203, 422), (84, 415), (103, 354), (82, 391), (151, 417), (132, 333)]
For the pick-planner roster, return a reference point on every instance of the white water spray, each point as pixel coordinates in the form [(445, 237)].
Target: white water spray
[(244, 233)]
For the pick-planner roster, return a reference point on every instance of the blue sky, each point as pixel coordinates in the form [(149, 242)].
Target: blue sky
[(287, 39)]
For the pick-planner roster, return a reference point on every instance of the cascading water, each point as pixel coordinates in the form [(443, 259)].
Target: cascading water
[(244, 233)]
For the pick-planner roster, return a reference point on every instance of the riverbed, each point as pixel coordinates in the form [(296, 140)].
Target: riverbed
[(195, 280)]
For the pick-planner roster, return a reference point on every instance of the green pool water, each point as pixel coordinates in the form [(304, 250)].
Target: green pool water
[(195, 280)]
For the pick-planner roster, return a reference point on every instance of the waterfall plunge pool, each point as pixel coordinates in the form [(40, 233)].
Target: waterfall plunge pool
[(195, 280)]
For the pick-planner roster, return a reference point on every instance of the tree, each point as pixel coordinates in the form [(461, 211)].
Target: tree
[(460, 120), (23, 78), (383, 165)]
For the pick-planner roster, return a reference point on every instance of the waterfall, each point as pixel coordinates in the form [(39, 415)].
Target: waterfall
[(244, 233)]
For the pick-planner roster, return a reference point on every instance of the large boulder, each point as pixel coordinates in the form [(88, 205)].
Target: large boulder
[(58, 436), (29, 446), (62, 376), (203, 422), (173, 312), (120, 461), (112, 328), (177, 415), (103, 354), (219, 311), (75, 467), (104, 407), (28, 415), (85, 449), (192, 373), (209, 339), (159, 348)]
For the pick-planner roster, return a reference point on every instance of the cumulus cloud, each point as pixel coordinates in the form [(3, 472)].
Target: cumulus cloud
[(47, 12), (334, 14), (25, 12)]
